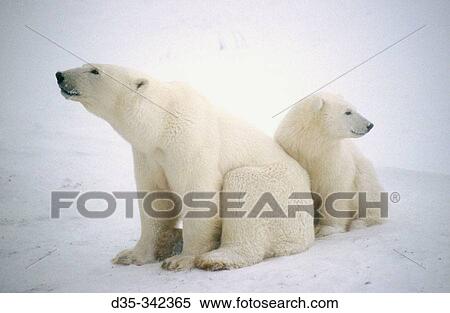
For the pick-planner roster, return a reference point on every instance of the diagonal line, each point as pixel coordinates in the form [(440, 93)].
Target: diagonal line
[(410, 259), (352, 69), (112, 77), (41, 258)]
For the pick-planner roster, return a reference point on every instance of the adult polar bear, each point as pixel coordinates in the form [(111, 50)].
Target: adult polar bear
[(181, 143)]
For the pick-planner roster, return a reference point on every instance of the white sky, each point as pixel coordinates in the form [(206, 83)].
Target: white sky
[(252, 58)]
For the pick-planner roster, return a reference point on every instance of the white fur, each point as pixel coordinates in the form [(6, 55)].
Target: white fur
[(202, 149), (316, 133)]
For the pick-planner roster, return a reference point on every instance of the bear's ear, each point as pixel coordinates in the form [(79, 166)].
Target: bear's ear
[(140, 83), (317, 103)]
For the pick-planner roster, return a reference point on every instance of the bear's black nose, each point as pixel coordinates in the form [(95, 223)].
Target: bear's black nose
[(369, 127), (59, 77)]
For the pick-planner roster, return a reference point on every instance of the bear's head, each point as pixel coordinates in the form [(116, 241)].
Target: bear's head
[(101, 88), (333, 117), (118, 95)]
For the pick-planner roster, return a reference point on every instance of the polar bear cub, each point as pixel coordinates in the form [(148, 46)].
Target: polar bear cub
[(317, 134), (181, 143)]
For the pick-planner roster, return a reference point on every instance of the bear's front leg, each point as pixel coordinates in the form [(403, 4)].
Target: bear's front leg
[(199, 236), (336, 221), (201, 233), (158, 236), (157, 242), (158, 239)]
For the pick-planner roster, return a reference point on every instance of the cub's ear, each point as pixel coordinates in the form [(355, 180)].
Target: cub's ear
[(317, 103), (140, 83)]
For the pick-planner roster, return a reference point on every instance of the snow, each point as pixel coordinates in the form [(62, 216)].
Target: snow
[(76, 251), (246, 57)]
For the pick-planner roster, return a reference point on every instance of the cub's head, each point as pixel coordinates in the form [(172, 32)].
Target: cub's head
[(100, 88), (333, 117)]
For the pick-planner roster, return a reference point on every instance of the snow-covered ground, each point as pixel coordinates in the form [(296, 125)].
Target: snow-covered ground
[(76, 251), (252, 58)]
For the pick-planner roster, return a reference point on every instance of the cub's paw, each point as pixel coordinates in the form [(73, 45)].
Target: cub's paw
[(325, 230), (133, 256), (178, 263)]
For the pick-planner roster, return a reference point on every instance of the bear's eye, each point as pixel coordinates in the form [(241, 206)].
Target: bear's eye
[(348, 112), (95, 71)]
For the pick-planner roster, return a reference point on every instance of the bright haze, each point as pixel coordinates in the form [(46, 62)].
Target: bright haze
[(252, 58)]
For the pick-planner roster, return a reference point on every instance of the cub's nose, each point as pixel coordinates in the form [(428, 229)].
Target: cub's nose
[(59, 77), (369, 127)]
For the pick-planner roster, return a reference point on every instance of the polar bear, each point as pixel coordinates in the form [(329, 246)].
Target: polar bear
[(317, 134), (181, 143)]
